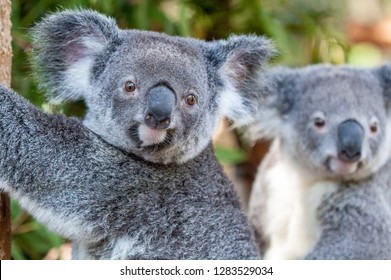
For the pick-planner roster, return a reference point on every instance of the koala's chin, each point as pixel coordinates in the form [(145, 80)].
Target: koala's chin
[(154, 144), (152, 137), (336, 168), (162, 146), (341, 168), (364, 167), (333, 168)]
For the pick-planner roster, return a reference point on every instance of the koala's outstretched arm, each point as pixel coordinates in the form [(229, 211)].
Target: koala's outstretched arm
[(54, 166), (119, 205)]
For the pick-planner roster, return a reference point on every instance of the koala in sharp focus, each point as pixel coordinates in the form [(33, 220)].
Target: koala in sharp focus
[(324, 189), (137, 179), (148, 93)]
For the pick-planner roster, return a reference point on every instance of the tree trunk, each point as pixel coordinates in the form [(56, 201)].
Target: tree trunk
[(5, 79)]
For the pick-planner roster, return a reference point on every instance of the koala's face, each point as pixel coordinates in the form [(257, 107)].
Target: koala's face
[(153, 99), (337, 123), (157, 96)]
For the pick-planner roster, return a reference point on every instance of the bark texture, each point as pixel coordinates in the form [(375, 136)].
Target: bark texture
[(5, 78)]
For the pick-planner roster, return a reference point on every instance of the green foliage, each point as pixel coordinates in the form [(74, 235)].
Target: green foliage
[(30, 240), (230, 156), (305, 31)]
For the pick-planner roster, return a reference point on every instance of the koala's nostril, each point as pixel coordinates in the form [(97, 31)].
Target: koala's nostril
[(154, 122), (349, 156), (163, 124), (150, 121)]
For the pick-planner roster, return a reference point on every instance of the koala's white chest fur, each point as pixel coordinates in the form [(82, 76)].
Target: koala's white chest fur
[(290, 222)]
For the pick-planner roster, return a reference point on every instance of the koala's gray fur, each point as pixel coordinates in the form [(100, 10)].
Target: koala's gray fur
[(118, 188), (311, 198)]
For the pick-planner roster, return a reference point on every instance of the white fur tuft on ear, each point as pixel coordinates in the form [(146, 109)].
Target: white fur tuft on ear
[(268, 126), (76, 79), (65, 48), (232, 106), (93, 45), (241, 63)]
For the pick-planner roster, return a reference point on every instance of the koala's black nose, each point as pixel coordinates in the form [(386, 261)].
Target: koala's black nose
[(160, 104), (350, 139)]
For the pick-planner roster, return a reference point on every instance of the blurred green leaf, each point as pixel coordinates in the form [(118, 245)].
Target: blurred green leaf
[(30, 240), (365, 55), (230, 156)]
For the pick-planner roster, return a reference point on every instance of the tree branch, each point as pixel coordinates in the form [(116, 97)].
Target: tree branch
[(5, 78)]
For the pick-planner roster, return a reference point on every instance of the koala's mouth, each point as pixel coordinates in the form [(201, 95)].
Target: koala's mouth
[(338, 167), (150, 139)]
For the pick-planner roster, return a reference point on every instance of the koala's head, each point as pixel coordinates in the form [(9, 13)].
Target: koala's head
[(157, 96), (334, 121)]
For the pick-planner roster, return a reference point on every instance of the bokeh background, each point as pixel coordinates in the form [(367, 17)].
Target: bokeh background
[(305, 32)]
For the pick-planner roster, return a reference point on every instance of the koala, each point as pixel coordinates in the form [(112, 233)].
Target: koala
[(323, 190), (137, 178)]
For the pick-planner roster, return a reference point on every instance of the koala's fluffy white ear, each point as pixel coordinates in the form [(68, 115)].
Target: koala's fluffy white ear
[(282, 91), (241, 62), (65, 47)]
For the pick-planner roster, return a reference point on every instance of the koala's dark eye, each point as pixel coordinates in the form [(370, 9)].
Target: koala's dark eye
[(191, 100), (319, 122), (129, 86), (374, 127)]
